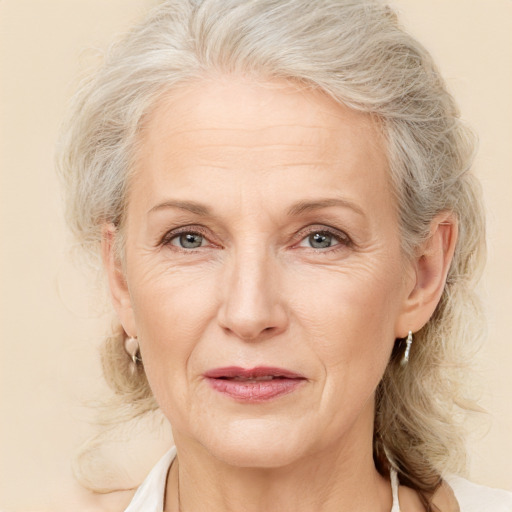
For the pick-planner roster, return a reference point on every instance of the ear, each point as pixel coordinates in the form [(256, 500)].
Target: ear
[(429, 270), (116, 280)]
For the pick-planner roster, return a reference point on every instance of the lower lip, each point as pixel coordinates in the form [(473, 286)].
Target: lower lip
[(255, 391)]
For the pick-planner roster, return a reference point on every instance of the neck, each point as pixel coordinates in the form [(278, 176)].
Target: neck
[(339, 479)]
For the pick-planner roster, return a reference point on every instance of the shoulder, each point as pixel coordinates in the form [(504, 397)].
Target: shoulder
[(478, 498)]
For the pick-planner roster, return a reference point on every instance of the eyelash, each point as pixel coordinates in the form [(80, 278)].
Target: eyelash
[(342, 239)]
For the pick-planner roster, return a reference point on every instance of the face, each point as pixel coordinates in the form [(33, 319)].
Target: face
[(262, 233)]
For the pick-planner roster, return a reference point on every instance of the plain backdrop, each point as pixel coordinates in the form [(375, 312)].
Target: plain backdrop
[(51, 316)]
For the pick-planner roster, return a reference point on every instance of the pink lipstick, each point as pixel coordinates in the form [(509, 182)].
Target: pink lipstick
[(254, 384)]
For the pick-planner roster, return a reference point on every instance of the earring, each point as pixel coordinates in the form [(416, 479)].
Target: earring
[(131, 345), (405, 359)]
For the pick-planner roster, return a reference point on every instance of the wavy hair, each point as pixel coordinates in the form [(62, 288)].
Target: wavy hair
[(356, 52)]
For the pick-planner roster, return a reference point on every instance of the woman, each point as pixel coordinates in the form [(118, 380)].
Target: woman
[(282, 197)]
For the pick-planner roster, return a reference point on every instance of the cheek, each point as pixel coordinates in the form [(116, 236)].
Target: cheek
[(172, 309), (349, 317)]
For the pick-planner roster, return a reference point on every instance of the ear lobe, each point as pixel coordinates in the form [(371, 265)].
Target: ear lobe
[(119, 292), (430, 269)]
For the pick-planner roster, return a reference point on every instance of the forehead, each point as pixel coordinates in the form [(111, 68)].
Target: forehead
[(253, 112), (235, 132)]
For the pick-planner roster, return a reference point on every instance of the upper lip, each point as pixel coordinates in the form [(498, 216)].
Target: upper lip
[(260, 371)]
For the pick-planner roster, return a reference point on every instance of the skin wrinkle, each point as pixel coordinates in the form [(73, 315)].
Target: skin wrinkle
[(258, 297)]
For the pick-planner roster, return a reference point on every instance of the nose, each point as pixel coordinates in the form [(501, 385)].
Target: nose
[(253, 306)]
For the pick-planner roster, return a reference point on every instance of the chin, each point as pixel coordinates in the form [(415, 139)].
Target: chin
[(256, 443)]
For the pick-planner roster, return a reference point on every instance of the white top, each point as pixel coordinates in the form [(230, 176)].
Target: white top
[(471, 497)]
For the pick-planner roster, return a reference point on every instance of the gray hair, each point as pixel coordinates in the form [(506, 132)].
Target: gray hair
[(356, 52)]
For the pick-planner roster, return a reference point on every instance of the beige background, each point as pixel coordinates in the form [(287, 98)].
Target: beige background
[(51, 318)]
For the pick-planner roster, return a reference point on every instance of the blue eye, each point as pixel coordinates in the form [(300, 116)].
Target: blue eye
[(188, 240), (321, 240), (324, 239)]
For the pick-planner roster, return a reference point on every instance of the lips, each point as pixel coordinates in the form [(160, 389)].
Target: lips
[(254, 384), (232, 372)]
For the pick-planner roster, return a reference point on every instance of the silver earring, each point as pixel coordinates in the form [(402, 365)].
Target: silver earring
[(131, 345), (405, 359)]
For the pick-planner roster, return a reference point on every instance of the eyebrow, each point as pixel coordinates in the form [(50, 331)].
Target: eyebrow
[(307, 206), (190, 206), (296, 209)]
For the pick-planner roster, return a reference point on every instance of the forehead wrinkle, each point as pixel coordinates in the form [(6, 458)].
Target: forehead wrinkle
[(295, 137), (232, 156), (312, 165), (271, 145), (205, 151), (242, 127)]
